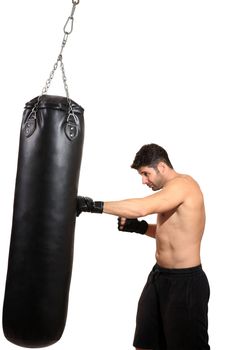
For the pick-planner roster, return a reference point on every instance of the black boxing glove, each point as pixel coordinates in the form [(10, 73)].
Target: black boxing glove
[(87, 204), (133, 225)]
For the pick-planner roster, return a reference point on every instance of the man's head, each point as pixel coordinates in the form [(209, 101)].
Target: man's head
[(153, 164)]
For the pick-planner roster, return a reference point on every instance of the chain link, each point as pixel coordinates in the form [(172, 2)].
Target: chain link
[(67, 29), (48, 81)]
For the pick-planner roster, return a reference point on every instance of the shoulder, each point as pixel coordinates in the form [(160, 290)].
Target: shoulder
[(182, 180), (184, 184)]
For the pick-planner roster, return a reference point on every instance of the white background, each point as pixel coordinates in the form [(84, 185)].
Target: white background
[(145, 71)]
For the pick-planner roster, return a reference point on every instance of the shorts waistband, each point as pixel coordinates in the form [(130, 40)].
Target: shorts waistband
[(188, 270)]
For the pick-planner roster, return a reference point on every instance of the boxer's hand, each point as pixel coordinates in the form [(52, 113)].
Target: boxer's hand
[(132, 225), (87, 204)]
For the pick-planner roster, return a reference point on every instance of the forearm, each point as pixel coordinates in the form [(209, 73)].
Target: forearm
[(128, 208), (151, 231)]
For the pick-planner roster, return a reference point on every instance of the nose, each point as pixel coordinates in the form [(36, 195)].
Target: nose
[(144, 180)]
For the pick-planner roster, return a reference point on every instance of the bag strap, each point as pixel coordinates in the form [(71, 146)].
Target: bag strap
[(67, 29)]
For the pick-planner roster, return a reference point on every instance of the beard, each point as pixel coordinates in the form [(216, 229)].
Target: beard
[(155, 187), (159, 182)]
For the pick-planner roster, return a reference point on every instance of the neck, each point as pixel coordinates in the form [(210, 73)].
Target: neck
[(171, 174)]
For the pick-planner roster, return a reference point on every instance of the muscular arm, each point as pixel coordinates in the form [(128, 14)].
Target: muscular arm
[(167, 199), (128, 208)]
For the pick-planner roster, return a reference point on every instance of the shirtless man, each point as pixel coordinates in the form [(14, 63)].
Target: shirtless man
[(173, 307)]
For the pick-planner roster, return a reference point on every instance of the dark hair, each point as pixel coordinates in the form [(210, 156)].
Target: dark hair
[(150, 155)]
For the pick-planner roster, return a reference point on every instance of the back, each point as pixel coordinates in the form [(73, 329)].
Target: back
[(179, 231)]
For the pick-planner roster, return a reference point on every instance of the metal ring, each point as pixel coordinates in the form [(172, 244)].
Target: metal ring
[(75, 2)]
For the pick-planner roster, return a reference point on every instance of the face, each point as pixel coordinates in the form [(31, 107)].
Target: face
[(151, 177)]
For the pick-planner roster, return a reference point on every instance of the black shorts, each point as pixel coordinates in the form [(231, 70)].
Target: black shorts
[(172, 310)]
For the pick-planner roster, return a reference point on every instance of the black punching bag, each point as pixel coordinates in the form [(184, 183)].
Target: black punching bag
[(42, 238)]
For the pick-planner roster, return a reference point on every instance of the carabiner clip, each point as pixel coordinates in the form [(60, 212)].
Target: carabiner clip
[(70, 21)]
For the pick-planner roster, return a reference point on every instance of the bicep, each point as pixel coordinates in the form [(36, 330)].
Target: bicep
[(163, 201)]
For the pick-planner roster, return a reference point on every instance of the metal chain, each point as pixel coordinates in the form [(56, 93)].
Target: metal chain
[(67, 29)]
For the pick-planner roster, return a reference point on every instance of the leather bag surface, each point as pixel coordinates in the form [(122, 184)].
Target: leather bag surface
[(44, 215)]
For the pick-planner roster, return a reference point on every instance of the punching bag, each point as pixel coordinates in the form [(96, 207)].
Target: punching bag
[(44, 214)]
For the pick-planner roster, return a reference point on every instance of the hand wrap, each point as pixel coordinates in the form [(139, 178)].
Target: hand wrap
[(133, 225)]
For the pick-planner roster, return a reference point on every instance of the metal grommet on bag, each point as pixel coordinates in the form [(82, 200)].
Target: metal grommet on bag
[(30, 127)]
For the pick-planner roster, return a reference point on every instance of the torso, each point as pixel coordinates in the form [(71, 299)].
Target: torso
[(179, 231)]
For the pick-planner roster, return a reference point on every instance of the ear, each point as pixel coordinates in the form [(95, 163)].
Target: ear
[(161, 166)]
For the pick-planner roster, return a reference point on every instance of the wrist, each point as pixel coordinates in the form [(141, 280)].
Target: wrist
[(143, 227), (98, 207)]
